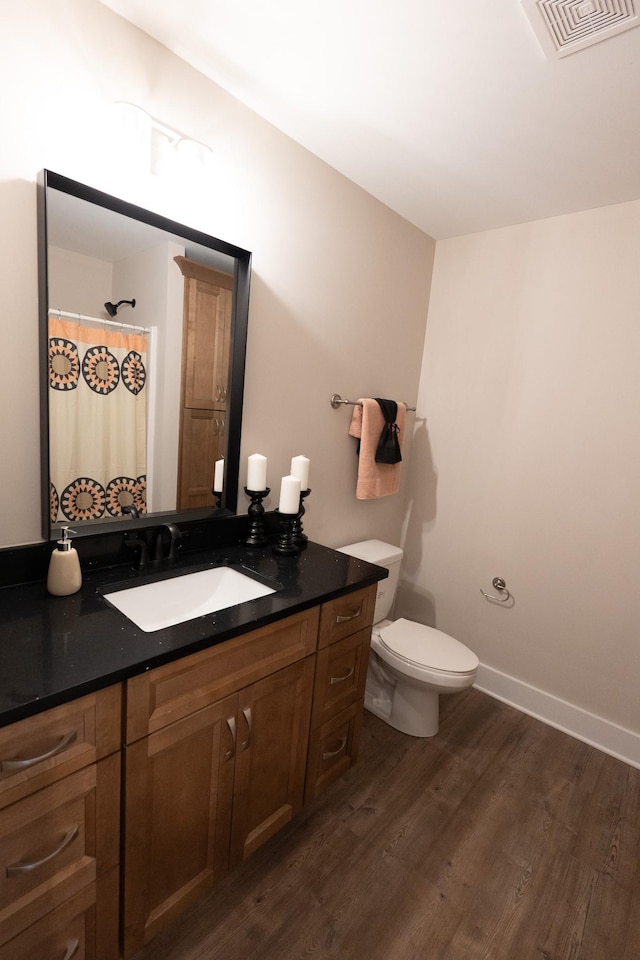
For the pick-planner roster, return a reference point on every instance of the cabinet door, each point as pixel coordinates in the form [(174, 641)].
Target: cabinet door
[(203, 442), (273, 732), (177, 815)]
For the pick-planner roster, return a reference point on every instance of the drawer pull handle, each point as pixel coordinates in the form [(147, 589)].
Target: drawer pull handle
[(334, 753), (231, 723), (247, 716), (345, 676), (72, 948), (7, 766), (18, 868), (350, 616)]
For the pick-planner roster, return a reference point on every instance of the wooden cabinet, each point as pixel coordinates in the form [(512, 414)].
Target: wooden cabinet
[(205, 379), (179, 787), (60, 831), (341, 673), (221, 749), (219, 766), (273, 733)]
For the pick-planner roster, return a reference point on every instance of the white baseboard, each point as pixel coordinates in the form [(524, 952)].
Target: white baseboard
[(603, 734)]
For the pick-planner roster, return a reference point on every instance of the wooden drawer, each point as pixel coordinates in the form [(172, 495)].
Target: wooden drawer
[(84, 927), (45, 748), (341, 674), (344, 616), (167, 694), (66, 932), (56, 842), (333, 748)]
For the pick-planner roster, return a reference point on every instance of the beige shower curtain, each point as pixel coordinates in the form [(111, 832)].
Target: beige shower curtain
[(97, 421)]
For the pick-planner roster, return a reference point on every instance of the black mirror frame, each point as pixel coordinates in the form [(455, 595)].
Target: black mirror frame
[(239, 322)]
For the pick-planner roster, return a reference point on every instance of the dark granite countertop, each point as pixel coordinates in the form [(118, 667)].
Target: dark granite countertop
[(54, 649)]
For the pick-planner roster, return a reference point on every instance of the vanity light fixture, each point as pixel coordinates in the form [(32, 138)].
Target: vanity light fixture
[(158, 147)]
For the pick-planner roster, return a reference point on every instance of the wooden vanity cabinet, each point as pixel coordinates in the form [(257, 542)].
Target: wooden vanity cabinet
[(218, 766), (60, 831), (221, 749), (344, 641)]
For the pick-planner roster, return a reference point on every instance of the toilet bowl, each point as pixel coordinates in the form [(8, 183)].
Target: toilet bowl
[(410, 664)]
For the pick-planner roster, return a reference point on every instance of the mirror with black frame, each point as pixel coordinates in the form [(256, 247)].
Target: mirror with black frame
[(143, 328)]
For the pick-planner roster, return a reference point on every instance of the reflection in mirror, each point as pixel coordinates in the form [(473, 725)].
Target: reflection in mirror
[(143, 336)]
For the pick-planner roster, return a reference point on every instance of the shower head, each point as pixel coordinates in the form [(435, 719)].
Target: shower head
[(112, 308)]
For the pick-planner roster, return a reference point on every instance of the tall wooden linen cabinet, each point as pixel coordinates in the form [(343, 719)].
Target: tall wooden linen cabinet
[(208, 295)]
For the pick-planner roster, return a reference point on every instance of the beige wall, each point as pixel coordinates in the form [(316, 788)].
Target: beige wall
[(528, 465), (340, 283)]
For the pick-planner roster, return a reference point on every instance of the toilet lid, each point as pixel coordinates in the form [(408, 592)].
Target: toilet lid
[(427, 647)]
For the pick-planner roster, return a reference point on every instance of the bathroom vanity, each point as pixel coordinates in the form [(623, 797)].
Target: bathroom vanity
[(138, 768)]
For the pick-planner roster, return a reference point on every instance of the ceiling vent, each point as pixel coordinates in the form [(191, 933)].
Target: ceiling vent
[(566, 26)]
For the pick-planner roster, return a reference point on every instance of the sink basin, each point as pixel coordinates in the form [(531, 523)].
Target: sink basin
[(153, 606)]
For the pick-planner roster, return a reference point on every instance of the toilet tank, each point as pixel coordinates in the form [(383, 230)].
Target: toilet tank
[(384, 555)]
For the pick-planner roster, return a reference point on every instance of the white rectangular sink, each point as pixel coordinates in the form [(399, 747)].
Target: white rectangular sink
[(164, 603)]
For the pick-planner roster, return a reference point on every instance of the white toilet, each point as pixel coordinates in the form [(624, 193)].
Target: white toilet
[(410, 664)]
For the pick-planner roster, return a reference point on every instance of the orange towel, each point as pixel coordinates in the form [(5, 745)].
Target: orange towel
[(374, 479)]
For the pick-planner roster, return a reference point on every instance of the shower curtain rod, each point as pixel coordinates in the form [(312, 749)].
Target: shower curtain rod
[(112, 323)]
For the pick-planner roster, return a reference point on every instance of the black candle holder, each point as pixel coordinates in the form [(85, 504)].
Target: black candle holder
[(257, 537), (286, 545), (218, 495), (299, 535)]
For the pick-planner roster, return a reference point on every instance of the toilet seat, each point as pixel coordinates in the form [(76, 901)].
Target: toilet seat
[(426, 648)]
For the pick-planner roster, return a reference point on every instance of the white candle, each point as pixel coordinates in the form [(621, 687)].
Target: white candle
[(289, 495), (300, 469), (257, 472), (218, 476)]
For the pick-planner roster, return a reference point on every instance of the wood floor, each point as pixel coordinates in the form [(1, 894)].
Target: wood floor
[(499, 839)]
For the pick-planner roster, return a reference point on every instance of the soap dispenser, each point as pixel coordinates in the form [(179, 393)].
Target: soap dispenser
[(64, 575)]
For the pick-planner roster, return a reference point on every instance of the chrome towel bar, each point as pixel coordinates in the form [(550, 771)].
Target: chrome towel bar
[(336, 401)]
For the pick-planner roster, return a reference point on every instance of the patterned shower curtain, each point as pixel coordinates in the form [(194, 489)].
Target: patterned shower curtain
[(97, 421)]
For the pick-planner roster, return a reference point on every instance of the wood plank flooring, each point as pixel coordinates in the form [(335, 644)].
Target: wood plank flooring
[(499, 839)]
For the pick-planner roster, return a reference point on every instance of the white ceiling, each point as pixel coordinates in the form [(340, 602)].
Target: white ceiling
[(446, 110)]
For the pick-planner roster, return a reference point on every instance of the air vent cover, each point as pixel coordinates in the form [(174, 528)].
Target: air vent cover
[(566, 26)]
